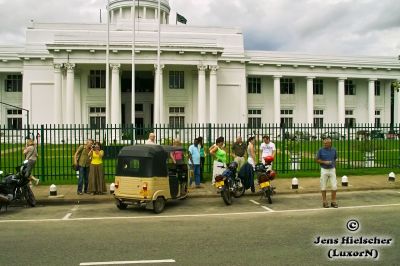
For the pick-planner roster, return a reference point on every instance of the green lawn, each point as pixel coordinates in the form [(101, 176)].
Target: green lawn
[(55, 160)]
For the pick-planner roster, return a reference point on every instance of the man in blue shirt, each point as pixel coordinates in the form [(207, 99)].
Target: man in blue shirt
[(326, 157), (194, 160)]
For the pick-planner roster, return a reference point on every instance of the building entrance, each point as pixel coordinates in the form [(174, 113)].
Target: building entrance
[(144, 97)]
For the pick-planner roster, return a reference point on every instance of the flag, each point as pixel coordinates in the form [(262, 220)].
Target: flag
[(180, 18)]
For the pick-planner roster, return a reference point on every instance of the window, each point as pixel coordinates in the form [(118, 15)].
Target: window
[(14, 119), (349, 87), (176, 80), (97, 79), (177, 117), (286, 112), (97, 117), (139, 107), (13, 83), (377, 118), (349, 121), (318, 118), (287, 86), (253, 85), (348, 112), (287, 117), (318, 87), (254, 118), (318, 122), (377, 122), (377, 87)]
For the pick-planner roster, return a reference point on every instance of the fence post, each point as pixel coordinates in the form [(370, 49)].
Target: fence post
[(348, 148), (42, 160)]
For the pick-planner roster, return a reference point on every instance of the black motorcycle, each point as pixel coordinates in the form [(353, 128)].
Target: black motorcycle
[(16, 187), (229, 184)]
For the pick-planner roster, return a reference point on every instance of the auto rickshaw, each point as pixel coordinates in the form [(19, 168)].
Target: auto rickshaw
[(144, 177)]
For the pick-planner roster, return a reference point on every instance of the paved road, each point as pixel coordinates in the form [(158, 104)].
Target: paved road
[(205, 232)]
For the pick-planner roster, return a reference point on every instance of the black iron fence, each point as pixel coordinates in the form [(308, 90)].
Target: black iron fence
[(359, 146)]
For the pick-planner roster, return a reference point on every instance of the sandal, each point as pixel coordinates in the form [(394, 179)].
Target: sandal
[(334, 204), (325, 204)]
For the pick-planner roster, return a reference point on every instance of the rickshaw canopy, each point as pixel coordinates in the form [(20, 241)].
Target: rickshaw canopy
[(144, 160)]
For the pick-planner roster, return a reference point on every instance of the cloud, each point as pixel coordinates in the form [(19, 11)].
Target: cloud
[(343, 27)]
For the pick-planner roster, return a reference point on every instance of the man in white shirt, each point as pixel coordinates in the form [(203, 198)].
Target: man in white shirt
[(267, 149)]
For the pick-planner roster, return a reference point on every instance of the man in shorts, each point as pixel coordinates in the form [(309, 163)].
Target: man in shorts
[(326, 157)]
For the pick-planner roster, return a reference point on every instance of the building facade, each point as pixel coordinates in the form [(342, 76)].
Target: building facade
[(60, 76)]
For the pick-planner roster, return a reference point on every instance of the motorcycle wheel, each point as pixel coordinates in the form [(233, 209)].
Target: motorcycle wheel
[(29, 196), (239, 191), (226, 196), (268, 195)]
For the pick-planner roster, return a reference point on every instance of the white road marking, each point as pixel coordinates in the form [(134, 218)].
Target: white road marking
[(268, 209), (127, 262), (255, 202), (152, 217), (66, 217)]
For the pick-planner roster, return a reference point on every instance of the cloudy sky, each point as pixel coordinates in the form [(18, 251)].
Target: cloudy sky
[(338, 27)]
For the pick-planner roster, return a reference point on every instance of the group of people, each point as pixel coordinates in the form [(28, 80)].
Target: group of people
[(239, 149), (326, 157), (196, 157), (91, 175), (89, 159)]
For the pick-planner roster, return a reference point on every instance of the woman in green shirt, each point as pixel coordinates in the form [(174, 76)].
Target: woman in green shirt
[(219, 157)]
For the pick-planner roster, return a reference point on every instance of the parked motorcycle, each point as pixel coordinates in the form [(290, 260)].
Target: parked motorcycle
[(265, 175), (229, 184), (15, 187)]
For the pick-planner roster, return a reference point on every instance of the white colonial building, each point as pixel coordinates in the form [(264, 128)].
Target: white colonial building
[(59, 76)]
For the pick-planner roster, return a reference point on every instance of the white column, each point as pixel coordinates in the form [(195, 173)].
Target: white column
[(57, 94), (201, 96), (162, 121), (156, 96), (115, 95), (371, 101), (213, 94), (70, 94), (341, 101), (277, 99), (310, 101), (387, 86), (144, 13)]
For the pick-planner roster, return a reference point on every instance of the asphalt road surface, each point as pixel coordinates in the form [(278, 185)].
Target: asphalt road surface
[(294, 230)]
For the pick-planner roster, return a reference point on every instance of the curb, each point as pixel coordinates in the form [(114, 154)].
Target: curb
[(102, 199)]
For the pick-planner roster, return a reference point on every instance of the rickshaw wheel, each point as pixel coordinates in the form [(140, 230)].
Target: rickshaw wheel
[(158, 205), (121, 206)]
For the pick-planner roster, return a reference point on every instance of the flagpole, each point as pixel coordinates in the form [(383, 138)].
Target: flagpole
[(108, 66), (157, 99), (133, 100)]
